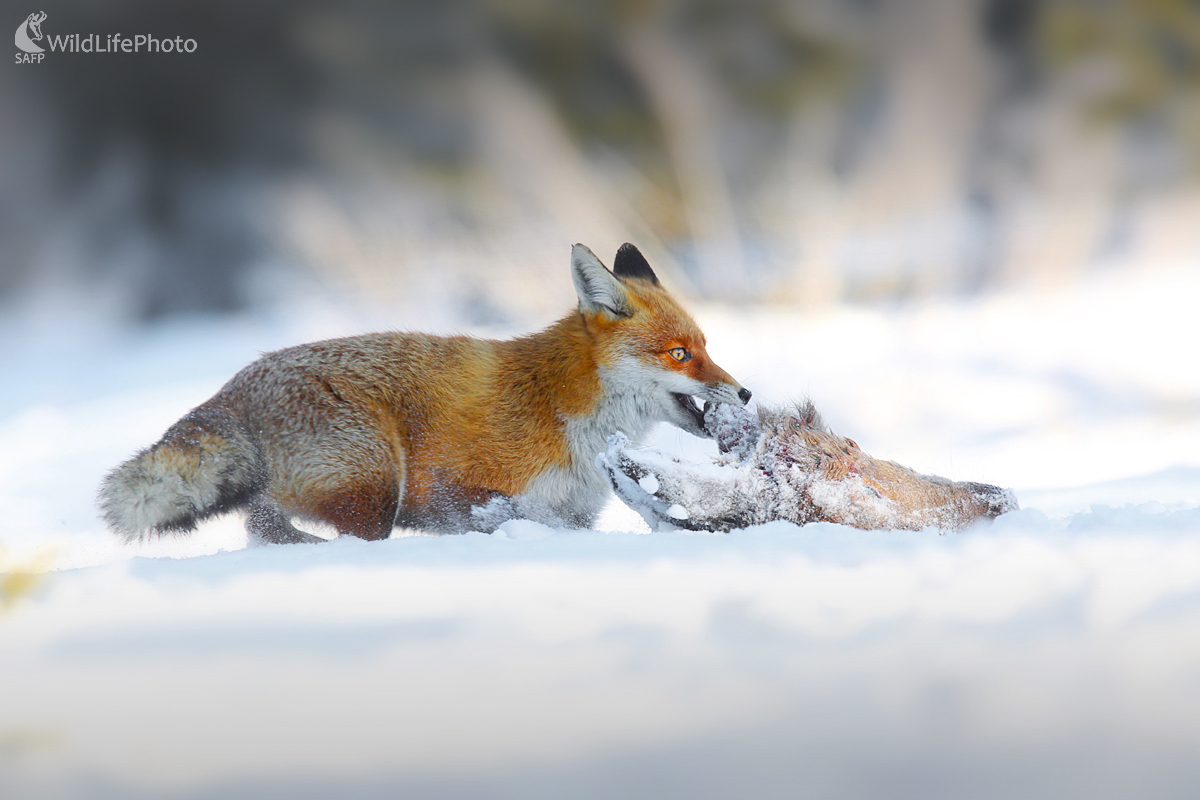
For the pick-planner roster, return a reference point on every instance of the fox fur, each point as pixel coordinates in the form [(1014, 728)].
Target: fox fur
[(784, 464), (372, 432)]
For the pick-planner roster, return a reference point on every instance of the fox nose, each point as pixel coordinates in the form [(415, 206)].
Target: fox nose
[(745, 395)]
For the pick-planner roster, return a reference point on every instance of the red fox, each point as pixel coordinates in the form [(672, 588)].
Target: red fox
[(383, 430), (784, 464)]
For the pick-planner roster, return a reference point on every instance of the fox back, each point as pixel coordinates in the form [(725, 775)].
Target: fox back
[(442, 433)]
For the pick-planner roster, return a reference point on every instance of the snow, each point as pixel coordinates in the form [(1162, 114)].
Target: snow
[(1052, 653)]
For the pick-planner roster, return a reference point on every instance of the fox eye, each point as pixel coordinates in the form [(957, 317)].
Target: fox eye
[(680, 354)]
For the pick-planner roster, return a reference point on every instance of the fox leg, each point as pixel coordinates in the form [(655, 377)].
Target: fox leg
[(266, 524), (368, 514), (345, 478), (365, 508), (670, 493)]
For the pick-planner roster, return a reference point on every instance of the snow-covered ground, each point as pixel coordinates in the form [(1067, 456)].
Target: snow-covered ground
[(1054, 653)]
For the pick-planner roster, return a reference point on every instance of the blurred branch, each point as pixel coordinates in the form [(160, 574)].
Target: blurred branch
[(19, 577)]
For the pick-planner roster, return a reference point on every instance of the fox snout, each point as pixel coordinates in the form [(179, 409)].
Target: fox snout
[(719, 385), (727, 392), (722, 388)]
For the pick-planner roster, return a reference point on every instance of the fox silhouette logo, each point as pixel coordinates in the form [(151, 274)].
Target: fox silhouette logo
[(30, 32)]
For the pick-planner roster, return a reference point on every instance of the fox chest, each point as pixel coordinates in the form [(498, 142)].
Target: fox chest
[(577, 492)]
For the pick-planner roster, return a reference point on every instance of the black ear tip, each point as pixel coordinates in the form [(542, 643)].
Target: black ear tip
[(630, 263)]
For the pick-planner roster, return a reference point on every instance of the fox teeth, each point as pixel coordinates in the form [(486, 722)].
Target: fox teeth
[(688, 403)]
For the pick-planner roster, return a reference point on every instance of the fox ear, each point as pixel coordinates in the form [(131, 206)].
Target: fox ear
[(598, 289), (630, 263)]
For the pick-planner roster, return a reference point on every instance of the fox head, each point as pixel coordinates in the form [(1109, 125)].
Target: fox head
[(647, 347)]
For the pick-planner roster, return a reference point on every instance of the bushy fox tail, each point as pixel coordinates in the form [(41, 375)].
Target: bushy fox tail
[(205, 464)]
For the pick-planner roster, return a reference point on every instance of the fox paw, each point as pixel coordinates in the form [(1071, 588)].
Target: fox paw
[(638, 477), (671, 494), (492, 514)]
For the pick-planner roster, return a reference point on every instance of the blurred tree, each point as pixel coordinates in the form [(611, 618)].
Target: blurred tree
[(1148, 55), (446, 152)]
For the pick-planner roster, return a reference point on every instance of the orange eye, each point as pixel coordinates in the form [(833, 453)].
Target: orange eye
[(680, 354)]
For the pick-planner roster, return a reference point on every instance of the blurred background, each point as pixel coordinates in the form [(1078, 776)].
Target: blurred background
[(428, 153)]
